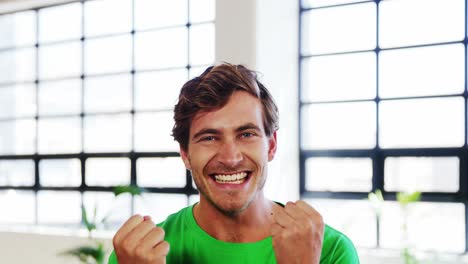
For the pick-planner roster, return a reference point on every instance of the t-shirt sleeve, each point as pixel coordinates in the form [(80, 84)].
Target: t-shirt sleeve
[(345, 252)]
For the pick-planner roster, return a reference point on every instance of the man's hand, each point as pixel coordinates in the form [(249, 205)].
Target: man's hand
[(140, 241), (297, 234)]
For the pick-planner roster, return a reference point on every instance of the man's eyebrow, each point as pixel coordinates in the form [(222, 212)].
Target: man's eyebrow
[(247, 127), (206, 131)]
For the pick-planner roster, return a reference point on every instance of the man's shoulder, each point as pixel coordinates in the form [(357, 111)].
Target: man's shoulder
[(176, 219), (332, 234), (338, 247)]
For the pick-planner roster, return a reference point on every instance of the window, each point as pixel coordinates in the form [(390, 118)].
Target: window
[(383, 106), (86, 98)]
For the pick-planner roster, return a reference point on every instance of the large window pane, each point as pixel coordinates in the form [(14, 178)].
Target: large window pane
[(153, 132), (339, 29), (340, 125), (18, 137), (197, 71), (59, 208), (161, 172), (108, 133), (158, 90), (20, 206), (60, 60), (59, 135), (53, 19), (424, 226), (18, 29), (18, 100), (98, 90), (437, 122), (100, 52), (339, 77), (202, 44), (434, 70), (159, 206), (411, 22), (16, 172), (202, 10), (339, 174), (193, 199), (107, 171), (60, 97), (161, 49), (99, 20), (160, 13), (18, 65), (115, 209), (424, 174), (360, 227), (60, 172)]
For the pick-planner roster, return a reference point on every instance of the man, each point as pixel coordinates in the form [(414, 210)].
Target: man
[(226, 123)]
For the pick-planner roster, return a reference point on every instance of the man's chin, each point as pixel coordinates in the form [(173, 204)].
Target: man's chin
[(231, 208)]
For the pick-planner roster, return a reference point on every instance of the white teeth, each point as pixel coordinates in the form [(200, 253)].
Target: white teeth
[(237, 178)]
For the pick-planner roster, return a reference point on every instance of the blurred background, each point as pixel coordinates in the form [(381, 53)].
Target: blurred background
[(372, 96)]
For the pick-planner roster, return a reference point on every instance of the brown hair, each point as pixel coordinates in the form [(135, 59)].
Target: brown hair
[(212, 90)]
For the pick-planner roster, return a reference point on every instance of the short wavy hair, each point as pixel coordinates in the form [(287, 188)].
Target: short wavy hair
[(212, 90)]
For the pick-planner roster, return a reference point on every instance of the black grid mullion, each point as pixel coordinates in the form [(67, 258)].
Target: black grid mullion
[(36, 132), (82, 114), (188, 25), (464, 159)]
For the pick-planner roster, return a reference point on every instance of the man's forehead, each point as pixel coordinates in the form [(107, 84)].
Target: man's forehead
[(241, 108), (213, 120)]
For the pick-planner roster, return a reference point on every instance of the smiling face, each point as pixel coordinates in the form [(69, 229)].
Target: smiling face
[(228, 153)]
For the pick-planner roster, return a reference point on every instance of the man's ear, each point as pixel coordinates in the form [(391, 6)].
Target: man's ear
[(185, 158), (272, 146)]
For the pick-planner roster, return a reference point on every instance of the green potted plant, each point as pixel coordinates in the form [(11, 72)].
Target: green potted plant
[(404, 199)]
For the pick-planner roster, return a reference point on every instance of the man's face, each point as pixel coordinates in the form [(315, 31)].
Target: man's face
[(228, 153)]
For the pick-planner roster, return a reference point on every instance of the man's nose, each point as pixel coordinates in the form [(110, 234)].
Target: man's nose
[(229, 154)]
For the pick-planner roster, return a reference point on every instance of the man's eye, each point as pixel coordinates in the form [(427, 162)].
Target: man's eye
[(208, 138), (247, 134)]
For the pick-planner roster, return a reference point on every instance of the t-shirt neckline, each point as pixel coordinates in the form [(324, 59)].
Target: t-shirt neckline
[(219, 244)]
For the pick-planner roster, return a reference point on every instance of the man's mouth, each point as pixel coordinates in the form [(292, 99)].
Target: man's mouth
[(236, 178)]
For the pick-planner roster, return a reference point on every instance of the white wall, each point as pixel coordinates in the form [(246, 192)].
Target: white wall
[(26, 248), (7, 6), (263, 35)]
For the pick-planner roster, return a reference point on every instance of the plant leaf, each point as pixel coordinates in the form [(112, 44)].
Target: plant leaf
[(90, 226), (376, 199), (131, 189), (406, 198), (85, 252)]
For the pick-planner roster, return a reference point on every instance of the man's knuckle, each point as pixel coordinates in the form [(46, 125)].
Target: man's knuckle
[(126, 246), (140, 252), (163, 248), (160, 231)]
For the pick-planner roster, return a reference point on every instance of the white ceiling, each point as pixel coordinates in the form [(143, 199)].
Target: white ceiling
[(8, 6)]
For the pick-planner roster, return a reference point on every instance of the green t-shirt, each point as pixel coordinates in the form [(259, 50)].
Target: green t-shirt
[(190, 244)]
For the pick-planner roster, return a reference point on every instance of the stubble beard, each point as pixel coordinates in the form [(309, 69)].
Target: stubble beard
[(233, 211)]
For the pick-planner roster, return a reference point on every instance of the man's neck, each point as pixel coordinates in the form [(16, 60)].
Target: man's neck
[(252, 224)]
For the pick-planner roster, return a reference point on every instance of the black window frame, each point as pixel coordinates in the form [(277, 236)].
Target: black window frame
[(378, 154), (82, 156)]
